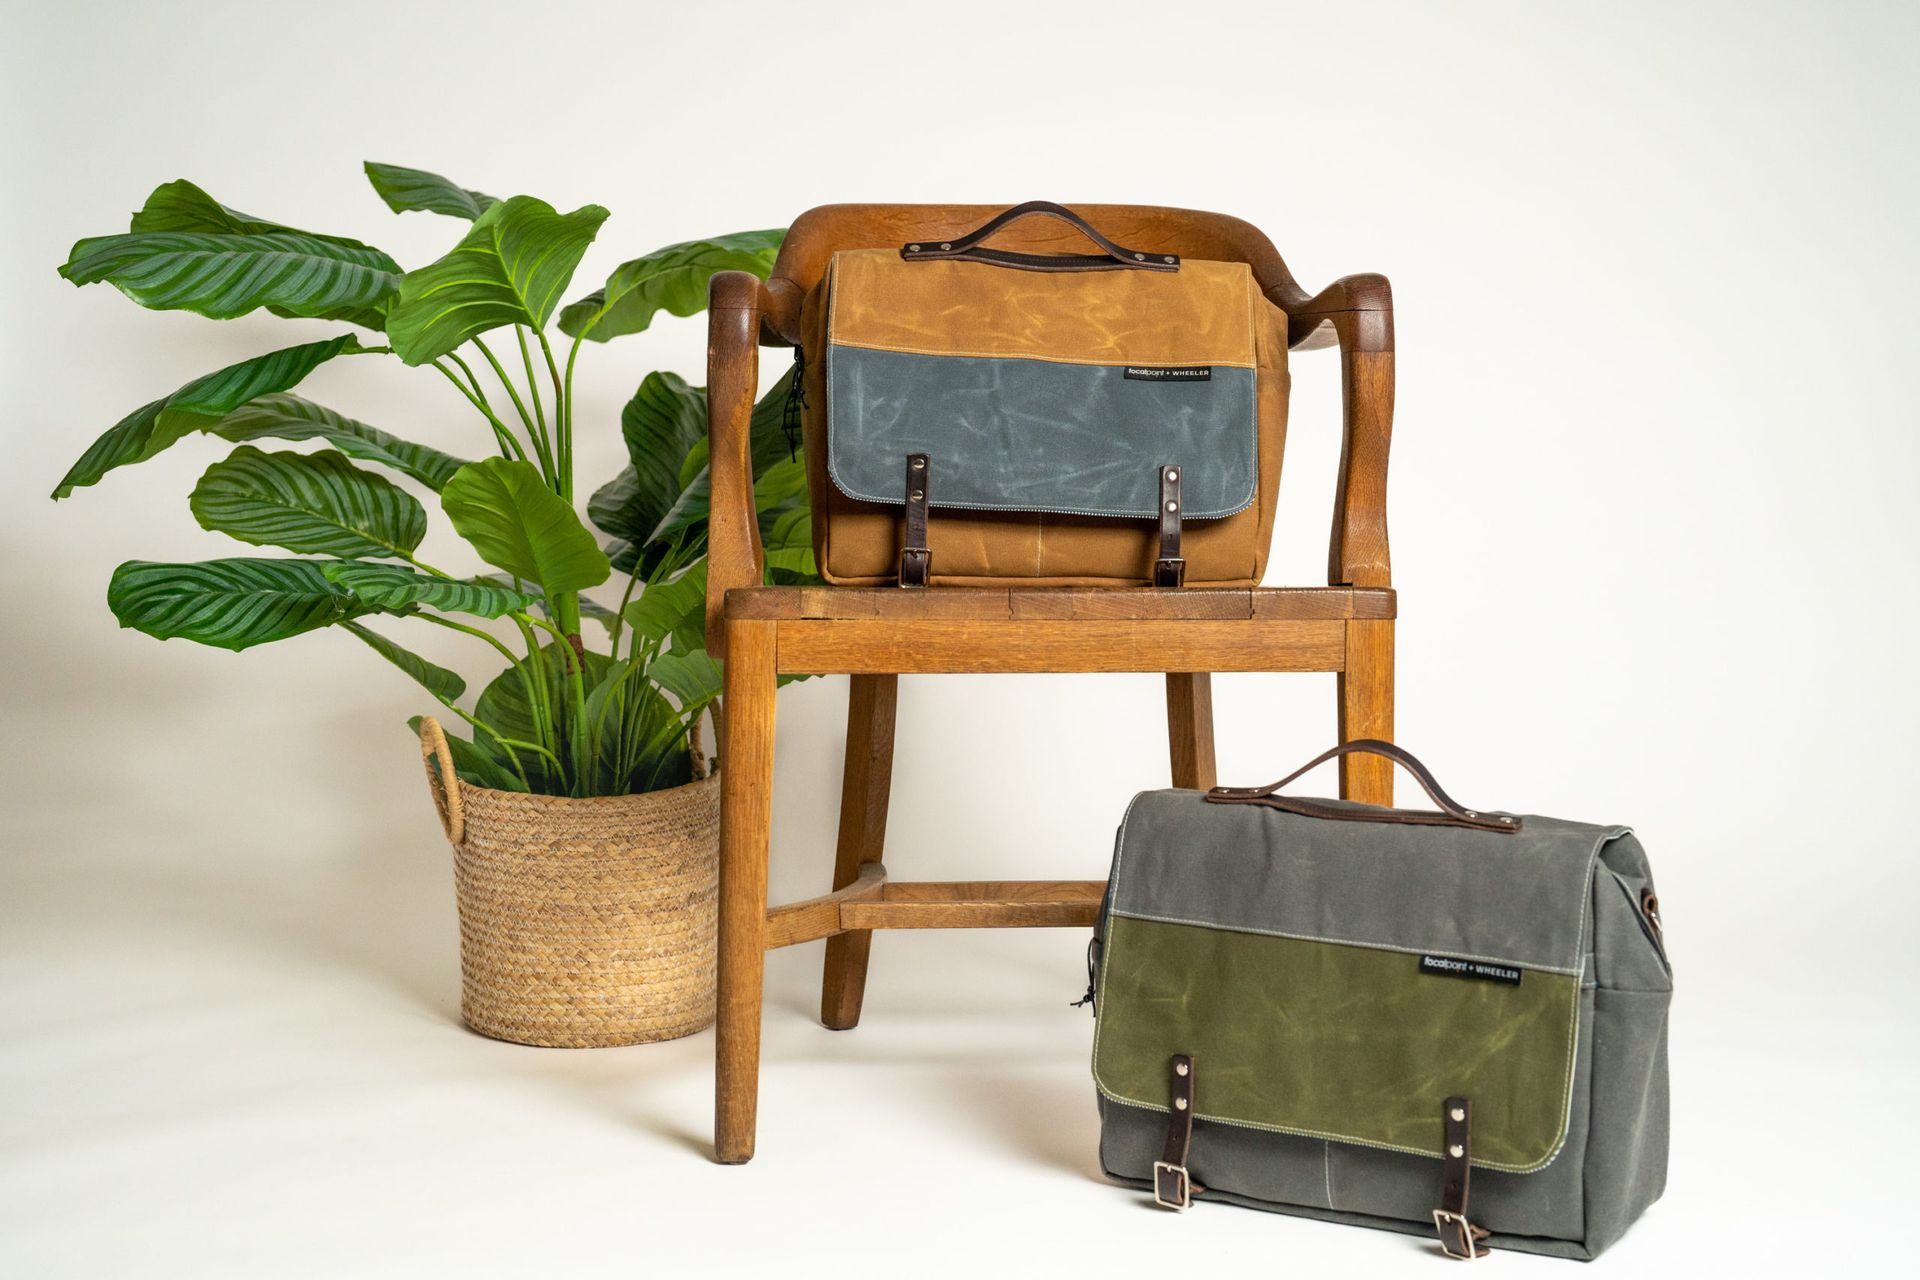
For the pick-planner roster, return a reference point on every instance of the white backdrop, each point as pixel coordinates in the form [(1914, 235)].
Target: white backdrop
[(1653, 527)]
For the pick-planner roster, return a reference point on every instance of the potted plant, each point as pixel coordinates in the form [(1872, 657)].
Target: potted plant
[(583, 819)]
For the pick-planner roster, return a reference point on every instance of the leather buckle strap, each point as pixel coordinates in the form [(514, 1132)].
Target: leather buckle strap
[(1459, 1238), (1170, 570), (916, 558), (1172, 1187)]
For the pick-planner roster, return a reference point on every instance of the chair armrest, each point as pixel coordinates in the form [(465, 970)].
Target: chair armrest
[(735, 302), (1362, 303), (1357, 312)]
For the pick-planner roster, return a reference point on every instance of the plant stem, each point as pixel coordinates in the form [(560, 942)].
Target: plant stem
[(509, 447), (541, 446), (562, 409), (533, 381)]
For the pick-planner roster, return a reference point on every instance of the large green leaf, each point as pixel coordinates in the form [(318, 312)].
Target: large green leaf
[(441, 683), (509, 269), (288, 417), (395, 587), (198, 406), (186, 251), (692, 677), (676, 607), (673, 279), (664, 489), (182, 206), (503, 704), (516, 523), (407, 190), (318, 503), (230, 604)]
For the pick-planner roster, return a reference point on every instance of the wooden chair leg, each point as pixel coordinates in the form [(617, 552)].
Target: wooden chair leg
[(864, 789), (1366, 709), (1190, 728), (746, 793)]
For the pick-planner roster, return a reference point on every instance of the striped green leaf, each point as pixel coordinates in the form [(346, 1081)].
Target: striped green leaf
[(182, 206), (441, 683), (288, 417), (226, 274), (318, 503), (198, 406), (394, 587), (673, 279), (516, 523), (510, 269), (230, 604), (406, 190)]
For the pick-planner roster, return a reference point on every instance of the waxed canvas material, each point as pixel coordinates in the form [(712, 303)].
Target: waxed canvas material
[(1016, 377), (1328, 920)]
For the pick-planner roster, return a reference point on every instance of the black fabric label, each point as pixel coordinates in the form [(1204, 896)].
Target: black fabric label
[(1479, 970), (1169, 373)]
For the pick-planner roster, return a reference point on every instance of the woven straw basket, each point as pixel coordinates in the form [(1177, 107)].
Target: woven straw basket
[(583, 922)]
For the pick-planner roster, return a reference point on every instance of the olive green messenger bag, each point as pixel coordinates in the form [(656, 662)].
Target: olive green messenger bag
[(1350, 1013)]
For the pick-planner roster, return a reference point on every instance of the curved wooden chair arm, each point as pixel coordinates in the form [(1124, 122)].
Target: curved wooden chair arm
[(1360, 303), (736, 303)]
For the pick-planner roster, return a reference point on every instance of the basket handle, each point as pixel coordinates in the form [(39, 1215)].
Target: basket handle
[(443, 781), (1452, 812), (1111, 258)]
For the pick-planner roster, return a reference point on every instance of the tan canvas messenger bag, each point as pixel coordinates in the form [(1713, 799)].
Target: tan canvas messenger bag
[(975, 415)]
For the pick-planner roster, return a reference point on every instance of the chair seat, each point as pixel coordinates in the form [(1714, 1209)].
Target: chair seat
[(1092, 604)]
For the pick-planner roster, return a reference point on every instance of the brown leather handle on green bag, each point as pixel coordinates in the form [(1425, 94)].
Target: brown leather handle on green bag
[(967, 248), (1452, 813)]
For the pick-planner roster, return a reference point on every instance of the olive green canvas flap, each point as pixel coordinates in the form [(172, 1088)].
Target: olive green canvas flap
[(1337, 980)]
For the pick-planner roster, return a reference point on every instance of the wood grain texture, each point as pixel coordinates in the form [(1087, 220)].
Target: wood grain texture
[(815, 918), (1366, 710), (1190, 729), (823, 646), (865, 784), (1060, 603), (746, 795), (734, 554)]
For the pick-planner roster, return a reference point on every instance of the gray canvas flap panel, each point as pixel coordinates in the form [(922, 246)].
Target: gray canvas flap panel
[(1025, 397)]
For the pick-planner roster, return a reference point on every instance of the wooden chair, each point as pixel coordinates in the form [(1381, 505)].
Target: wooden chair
[(878, 634)]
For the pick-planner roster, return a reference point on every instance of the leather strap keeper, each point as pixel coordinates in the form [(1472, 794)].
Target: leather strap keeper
[(916, 558), (1170, 570), (1172, 1187), (1459, 1238)]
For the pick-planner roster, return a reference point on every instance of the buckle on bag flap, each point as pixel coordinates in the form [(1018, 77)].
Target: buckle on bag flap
[(1465, 1233), (1172, 1188)]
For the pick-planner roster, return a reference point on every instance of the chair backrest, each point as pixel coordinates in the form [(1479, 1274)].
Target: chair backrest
[(820, 233)]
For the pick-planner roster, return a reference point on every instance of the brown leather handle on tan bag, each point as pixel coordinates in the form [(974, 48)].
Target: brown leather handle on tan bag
[(967, 248), (1452, 813)]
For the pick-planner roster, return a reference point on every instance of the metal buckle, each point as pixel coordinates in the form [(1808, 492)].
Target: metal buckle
[(1183, 1184), (1441, 1219), (1170, 572)]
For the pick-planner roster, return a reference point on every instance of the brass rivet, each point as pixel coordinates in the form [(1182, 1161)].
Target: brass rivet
[(1139, 257), (1456, 1151), (1458, 1113), (946, 246), (918, 494), (913, 248), (919, 463), (1172, 474), (1173, 506), (1179, 1104), (1169, 258), (1180, 1068)]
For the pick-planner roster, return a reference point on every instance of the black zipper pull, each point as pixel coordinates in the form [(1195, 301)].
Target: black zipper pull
[(795, 402)]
